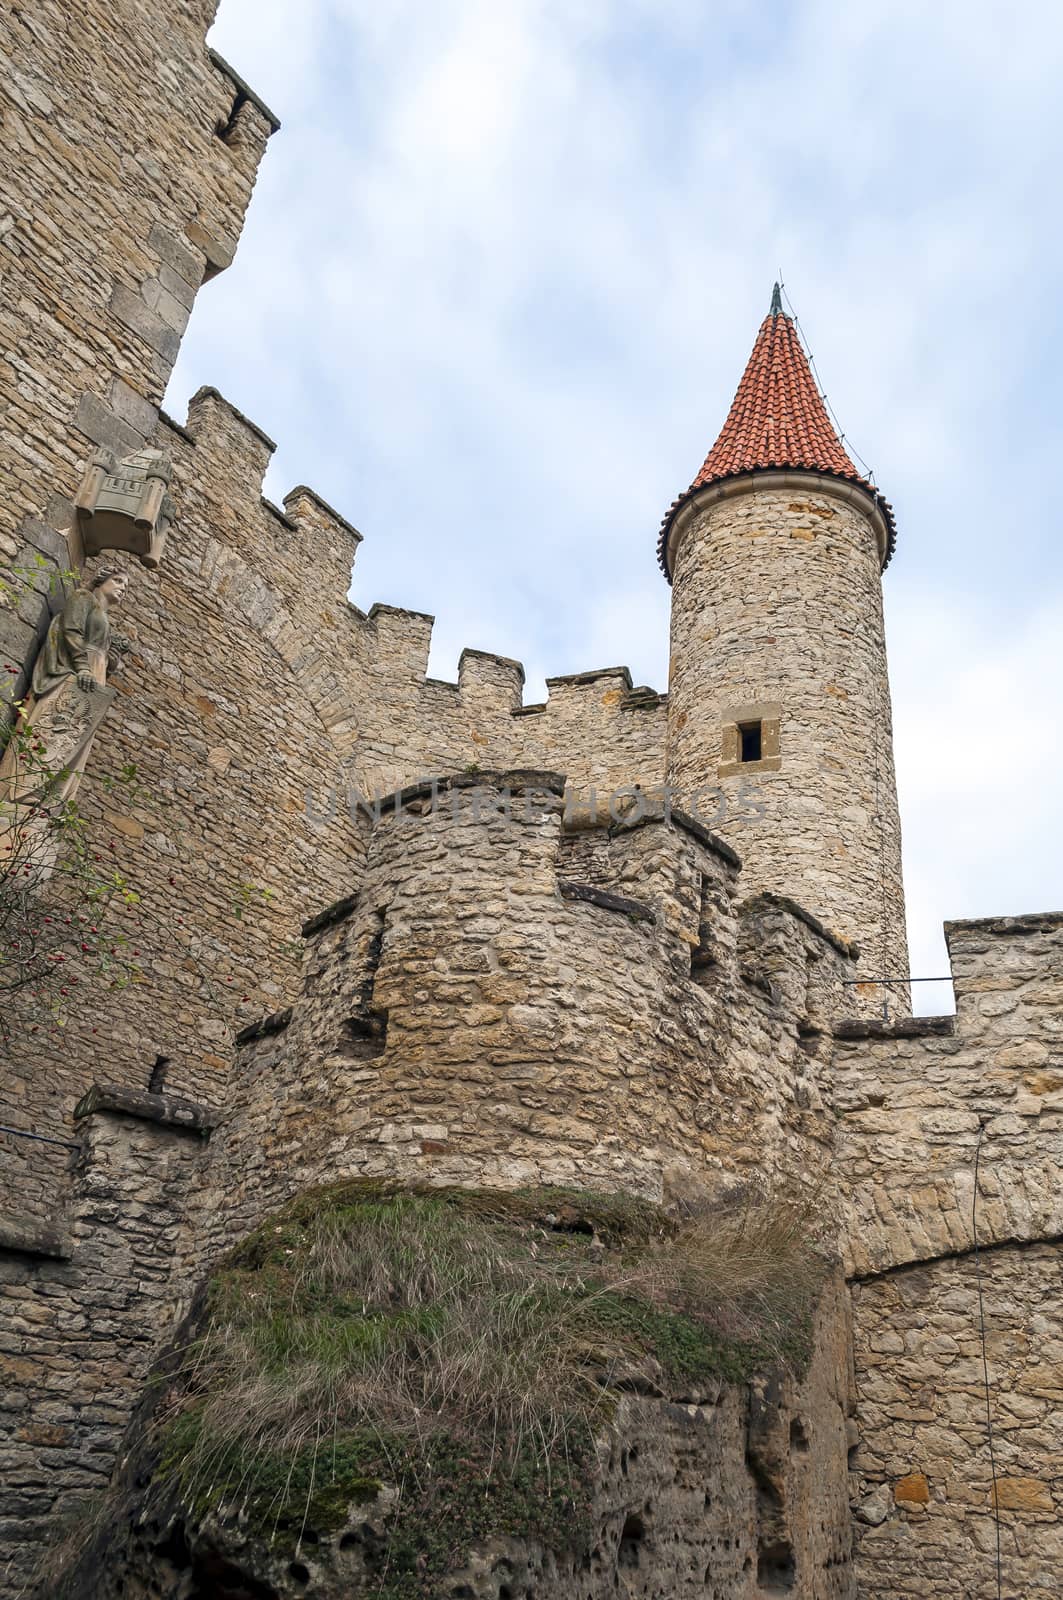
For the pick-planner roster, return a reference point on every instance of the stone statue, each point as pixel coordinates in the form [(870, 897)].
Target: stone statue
[(51, 742), (80, 642)]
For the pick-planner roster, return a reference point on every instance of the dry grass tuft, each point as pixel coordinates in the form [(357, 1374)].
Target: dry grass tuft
[(746, 1270)]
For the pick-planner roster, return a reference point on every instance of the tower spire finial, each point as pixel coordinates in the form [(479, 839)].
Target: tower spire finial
[(776, 302)]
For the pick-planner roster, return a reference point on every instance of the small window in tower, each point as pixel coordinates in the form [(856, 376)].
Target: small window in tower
[(749, 741)]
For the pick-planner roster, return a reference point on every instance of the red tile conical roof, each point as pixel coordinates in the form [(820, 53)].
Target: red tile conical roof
[(777, 420)]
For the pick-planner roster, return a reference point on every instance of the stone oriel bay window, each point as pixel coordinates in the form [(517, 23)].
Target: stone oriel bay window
[(750, 739)]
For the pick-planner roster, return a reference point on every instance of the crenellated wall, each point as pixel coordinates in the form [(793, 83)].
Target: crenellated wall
[(257, 706), (508, 996), (257, 703), (227, 719), (950, 1165), (129, 154)]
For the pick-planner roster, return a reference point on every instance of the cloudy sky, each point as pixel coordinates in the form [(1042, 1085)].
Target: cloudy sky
[(504, 266)]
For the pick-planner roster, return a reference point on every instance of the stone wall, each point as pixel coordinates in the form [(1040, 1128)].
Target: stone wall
[(924, 1107), (595, 727), (129, 156), (227, 724), (130, 152), (257, 706), (777, 617), (925, 1512), (85, 1300), (255, 690), (507, 997), (257, 701), (917, 1103)]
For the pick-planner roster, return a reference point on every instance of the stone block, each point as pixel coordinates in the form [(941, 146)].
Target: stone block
[(47, 540), (172, 310), (131, 310), (130, 407), (17, 639), (218, 251), (1022, 1494), (178, 254), (100, 424)]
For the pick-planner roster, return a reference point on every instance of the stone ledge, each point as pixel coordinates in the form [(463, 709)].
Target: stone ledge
[(34, 1239), (638, 910), (704, 836), (489, 655), (654, 813), (986, 1247), (782, 902), (276, 1022), (643, 698), (380, 608), (570, 678), (1033, 922), (185, 1116), (902, 1028), (244, 88)]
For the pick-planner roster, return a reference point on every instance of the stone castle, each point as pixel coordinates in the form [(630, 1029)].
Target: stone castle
[(621, 941)]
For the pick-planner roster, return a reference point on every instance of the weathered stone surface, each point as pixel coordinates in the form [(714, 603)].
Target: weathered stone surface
[(1023, 1494), (103, 426), (789, 631), (470, 1017), (917, 1108), (912, 1490), (922, 1417), (918, 1116), (85, 1304), (740, 1494), (166, 1110)]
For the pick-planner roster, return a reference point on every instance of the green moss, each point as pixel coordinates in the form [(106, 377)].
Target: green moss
[(689, 1351), (453, 1495)]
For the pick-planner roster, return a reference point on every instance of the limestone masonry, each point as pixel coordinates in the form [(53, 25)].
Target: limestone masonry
[(389, 927)]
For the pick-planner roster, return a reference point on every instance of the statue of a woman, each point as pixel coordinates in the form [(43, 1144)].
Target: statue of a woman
[(79, 642), (52, 739)]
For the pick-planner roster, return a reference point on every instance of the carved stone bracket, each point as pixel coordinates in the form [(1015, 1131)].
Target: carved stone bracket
[(124, 505)]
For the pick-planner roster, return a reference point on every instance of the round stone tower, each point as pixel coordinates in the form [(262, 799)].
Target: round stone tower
[(779, 726)]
